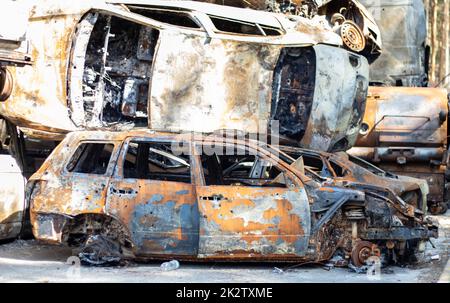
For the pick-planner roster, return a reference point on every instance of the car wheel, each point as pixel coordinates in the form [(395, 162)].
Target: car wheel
[(362, 251)]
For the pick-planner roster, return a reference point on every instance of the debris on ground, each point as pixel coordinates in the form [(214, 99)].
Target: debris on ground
[(358, 270), (100, 250), (277, 270), (336, 261), (435, 258), (171, 265)]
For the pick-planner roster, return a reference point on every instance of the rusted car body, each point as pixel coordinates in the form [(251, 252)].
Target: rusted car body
[(196, 197), (181, 65), (344, 169), (403, 26), (405, 131)]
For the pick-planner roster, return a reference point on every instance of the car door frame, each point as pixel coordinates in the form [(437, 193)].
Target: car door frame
[(92, 196), (140, 217), (210, 244)]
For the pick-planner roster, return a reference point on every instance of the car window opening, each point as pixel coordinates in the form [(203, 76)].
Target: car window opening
[(156, 161), (372, 168), (314, 165), (240, 169), (91, 158), (338, 170), (238, 27), (117, 70), (166, 16)]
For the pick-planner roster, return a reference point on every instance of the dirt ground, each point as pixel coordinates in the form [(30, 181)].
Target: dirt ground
[(29, 261)]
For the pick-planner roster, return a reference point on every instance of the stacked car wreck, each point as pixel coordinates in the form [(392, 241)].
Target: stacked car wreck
[(120, 68), (191, 67)]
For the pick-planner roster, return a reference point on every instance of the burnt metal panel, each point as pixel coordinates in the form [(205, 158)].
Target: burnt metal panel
[(162, 216), (252, 222), (403, 29), (339, 96), (405, 116), (207, 93)]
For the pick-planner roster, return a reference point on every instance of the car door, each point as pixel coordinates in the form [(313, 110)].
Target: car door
[(78, 185), (244, 214), (152, 194)]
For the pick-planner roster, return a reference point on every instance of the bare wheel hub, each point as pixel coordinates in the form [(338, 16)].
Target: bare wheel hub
[(352, 36), (362, 251)]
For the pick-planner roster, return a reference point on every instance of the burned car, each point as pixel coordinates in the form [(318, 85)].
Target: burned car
[(143, 194), (405, 131), (343, 169), (181, 65)]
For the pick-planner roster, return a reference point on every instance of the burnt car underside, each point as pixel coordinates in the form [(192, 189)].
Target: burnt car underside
[(167, 65), (112, 90), (115, 88)]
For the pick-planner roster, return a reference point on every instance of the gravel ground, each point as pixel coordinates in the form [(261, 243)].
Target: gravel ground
[(29, 261)]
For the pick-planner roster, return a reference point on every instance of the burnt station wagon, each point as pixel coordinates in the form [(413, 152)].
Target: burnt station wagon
[(159, 195)]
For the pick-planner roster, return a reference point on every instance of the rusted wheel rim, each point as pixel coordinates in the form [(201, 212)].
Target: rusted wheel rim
[(362, 251), (352, 36), (6, 84)]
